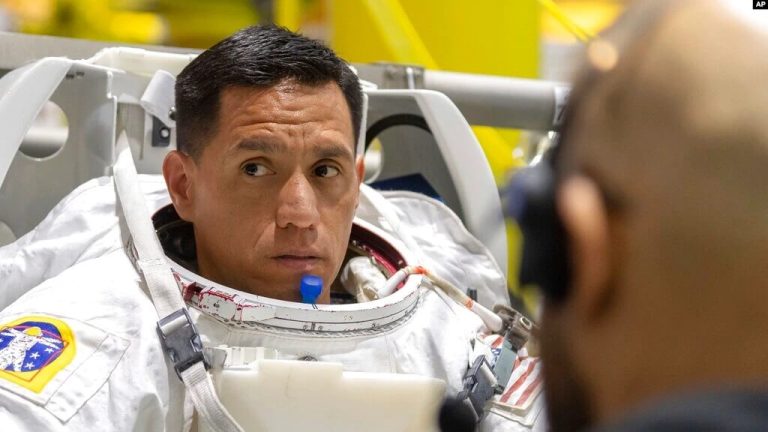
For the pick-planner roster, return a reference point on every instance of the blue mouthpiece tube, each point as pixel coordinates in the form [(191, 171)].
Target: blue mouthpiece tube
[(310, 288)]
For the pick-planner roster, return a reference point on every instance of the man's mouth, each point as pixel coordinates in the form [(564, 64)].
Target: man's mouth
[(297, 262)]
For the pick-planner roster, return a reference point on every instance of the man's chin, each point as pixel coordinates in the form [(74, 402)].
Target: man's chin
[(274, 280), (284, 288)]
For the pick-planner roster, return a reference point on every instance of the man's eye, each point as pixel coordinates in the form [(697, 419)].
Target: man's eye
[(326, 171), (255, 169)]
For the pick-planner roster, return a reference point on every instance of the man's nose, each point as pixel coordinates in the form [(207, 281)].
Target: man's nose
[(296, 204)]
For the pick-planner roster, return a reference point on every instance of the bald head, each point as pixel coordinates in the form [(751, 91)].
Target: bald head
[(677, 134), (664, 196)]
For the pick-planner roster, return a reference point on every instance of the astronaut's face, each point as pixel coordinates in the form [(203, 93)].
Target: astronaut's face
[(273, 193)]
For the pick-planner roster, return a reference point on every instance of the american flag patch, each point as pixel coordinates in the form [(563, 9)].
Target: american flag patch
[(520, 400), (524, 384)]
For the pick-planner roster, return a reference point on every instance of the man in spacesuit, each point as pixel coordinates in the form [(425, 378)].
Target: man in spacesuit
[(265, 187)]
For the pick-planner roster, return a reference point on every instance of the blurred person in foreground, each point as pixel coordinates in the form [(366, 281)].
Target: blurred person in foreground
[(655, 314)]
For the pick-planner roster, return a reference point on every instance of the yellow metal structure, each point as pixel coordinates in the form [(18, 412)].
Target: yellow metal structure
[(289, 13), (564, 20), (569, 20), (446, 35)]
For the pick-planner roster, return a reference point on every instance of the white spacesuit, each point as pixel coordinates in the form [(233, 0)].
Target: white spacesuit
[(74, 275)]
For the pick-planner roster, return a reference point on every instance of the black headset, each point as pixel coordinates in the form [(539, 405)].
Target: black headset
[(529, 199)]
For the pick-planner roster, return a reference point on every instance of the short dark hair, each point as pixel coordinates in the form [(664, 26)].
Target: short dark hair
[(257, 56)]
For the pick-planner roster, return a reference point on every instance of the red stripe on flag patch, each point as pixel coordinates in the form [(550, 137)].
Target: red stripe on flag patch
[(531, 365), (529, 391)]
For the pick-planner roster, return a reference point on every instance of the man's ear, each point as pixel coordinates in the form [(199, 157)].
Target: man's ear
[(360, 168), (586, 225), (179, 172)]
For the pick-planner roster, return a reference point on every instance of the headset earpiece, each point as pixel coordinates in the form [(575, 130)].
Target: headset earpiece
[(530, 200)]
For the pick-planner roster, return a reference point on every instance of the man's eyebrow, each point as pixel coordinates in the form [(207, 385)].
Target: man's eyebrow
[(264, 146), (333, 151), (326, 151)]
